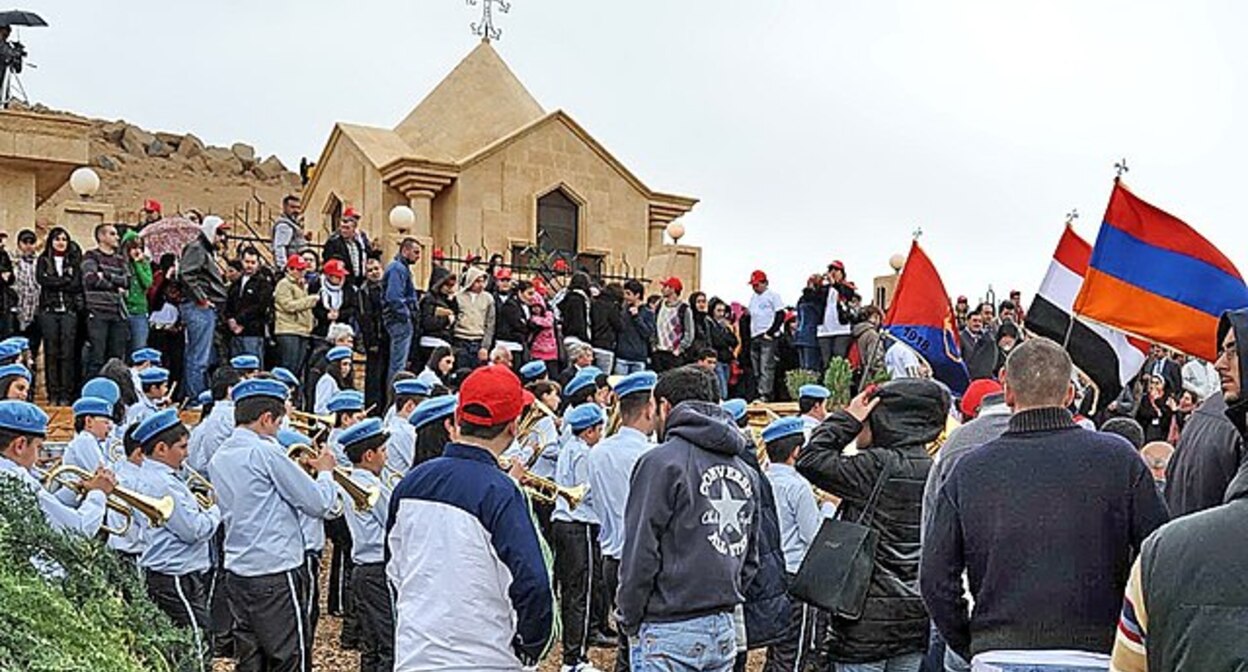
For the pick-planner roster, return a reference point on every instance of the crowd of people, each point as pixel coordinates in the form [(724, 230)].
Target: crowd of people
[(541, 461)]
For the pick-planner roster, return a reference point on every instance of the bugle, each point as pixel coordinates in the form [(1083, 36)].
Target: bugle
[(122, 500), (527, 430), (309, 420), (363, 498), (391, 477)]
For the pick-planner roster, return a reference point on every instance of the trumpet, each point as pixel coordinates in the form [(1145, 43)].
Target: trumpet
[(546, 490), (391, 477), (201, 488), (614, 419), (363, 498), (122, 500)]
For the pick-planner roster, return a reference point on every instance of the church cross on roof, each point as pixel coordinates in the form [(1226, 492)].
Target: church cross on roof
[(485, 28)]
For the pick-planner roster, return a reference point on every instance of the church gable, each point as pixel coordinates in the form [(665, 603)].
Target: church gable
[(481, 101)]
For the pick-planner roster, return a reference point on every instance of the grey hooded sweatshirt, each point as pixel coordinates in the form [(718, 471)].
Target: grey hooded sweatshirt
[(692, 522)]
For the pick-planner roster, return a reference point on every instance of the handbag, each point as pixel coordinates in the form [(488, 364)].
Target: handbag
[(836, 572)]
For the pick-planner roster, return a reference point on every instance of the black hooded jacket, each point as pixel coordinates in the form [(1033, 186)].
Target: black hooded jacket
[(692, 508), (766, 595), (432, 324), (911, 414), (1209, 453), (1237, 409)]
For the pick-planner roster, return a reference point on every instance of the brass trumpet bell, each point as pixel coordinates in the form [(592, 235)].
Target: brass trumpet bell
[(201, 488), (362, 498), (122, 500)]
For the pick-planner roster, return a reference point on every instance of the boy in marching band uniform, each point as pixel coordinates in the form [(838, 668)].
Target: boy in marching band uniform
[(261, 494), (247, 366), (23, 427), (610, 467), (217, 426), (176, 559), (812, 405), (365, 444), (408, 394), (348, 409), (93, 422), (140, 360), (153, 394), (575, 531)]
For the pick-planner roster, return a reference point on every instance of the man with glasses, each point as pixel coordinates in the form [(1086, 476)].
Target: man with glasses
[(105, 281), (288, 236)]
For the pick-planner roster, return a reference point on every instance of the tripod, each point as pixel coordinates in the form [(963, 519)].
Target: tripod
[(11, 88)]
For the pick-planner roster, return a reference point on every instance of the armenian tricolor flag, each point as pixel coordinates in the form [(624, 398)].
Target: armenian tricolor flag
[(922, 318), (1154, 276)]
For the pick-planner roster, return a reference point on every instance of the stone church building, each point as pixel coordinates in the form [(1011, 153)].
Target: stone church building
[(488, 170)]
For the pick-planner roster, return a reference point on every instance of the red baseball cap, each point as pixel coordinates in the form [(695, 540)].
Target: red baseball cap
[(540, 285), (757, 277), (962, 299), (296, 262), (561, 264), (502, 274), (151, 205), (437, 253), (837, 264), (975, 394), (489, 396), (334, 268), (350, 213), (674, 283)]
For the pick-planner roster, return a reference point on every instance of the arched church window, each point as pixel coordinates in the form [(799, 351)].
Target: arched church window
[(558, 217)]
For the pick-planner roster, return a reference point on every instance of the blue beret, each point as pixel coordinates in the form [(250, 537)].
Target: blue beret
[(102, 388), (204, 397), (145, 355), (434, 409), (338, 353), (23, 417), (346, 400), (153, 375), (361, 431), (93, 406), (155, 424), (14, 370), (9, 350), (783, 427), (585, 416), (246, 363), (642, 381), (289, 437), (533, 370), (412, 387), (583, 378), (21, 342), (260, 387), (735, 407), (813, 392), (286, 376)]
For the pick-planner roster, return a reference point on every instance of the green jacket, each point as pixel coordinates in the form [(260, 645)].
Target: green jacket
[(136, 297)]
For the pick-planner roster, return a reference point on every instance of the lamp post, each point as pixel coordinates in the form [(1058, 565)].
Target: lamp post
[(897, 262), (85, 182)]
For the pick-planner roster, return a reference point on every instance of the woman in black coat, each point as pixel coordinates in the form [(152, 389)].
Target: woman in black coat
[(58, 271), (892, 445)]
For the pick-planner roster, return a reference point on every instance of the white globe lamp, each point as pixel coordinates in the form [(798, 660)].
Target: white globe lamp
[(85, 182), (897, 262), (402, 217), (676, 231)]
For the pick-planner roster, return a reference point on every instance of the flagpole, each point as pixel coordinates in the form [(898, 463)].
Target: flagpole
[(1070, 224)]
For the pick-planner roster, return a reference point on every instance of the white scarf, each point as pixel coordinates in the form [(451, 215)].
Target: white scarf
[(331, 296)]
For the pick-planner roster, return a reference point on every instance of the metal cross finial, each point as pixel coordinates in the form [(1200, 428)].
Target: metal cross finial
[(1121, 167), (1072, 216), (485, 29), (917, 232)]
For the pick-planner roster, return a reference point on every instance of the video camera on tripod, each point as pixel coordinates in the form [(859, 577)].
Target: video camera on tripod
[(13, 54)]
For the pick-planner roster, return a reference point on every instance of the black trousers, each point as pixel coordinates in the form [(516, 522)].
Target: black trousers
[(270, 622), (219, 598), (184, 599), (662, 360), (109, 337), (312, 606), (375, 609), (797, 650), (576, 554), (60, 336), (611, 576), (339, 603)]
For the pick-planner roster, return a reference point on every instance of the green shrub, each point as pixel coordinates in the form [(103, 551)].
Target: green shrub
[(839, 379), (80, 609), (794, 379)]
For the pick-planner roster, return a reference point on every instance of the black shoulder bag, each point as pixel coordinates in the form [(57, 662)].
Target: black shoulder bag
[(837, 569)]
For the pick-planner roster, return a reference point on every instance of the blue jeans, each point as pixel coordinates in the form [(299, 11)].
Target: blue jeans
[(200, 323), (400, 332), (808, 358), (708, 643), (248, 345), (604, 359), (722, 369), (138, 332), (906, 662), (623, 367)]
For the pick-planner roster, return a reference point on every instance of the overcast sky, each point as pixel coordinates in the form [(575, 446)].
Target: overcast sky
[(811, 130)]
